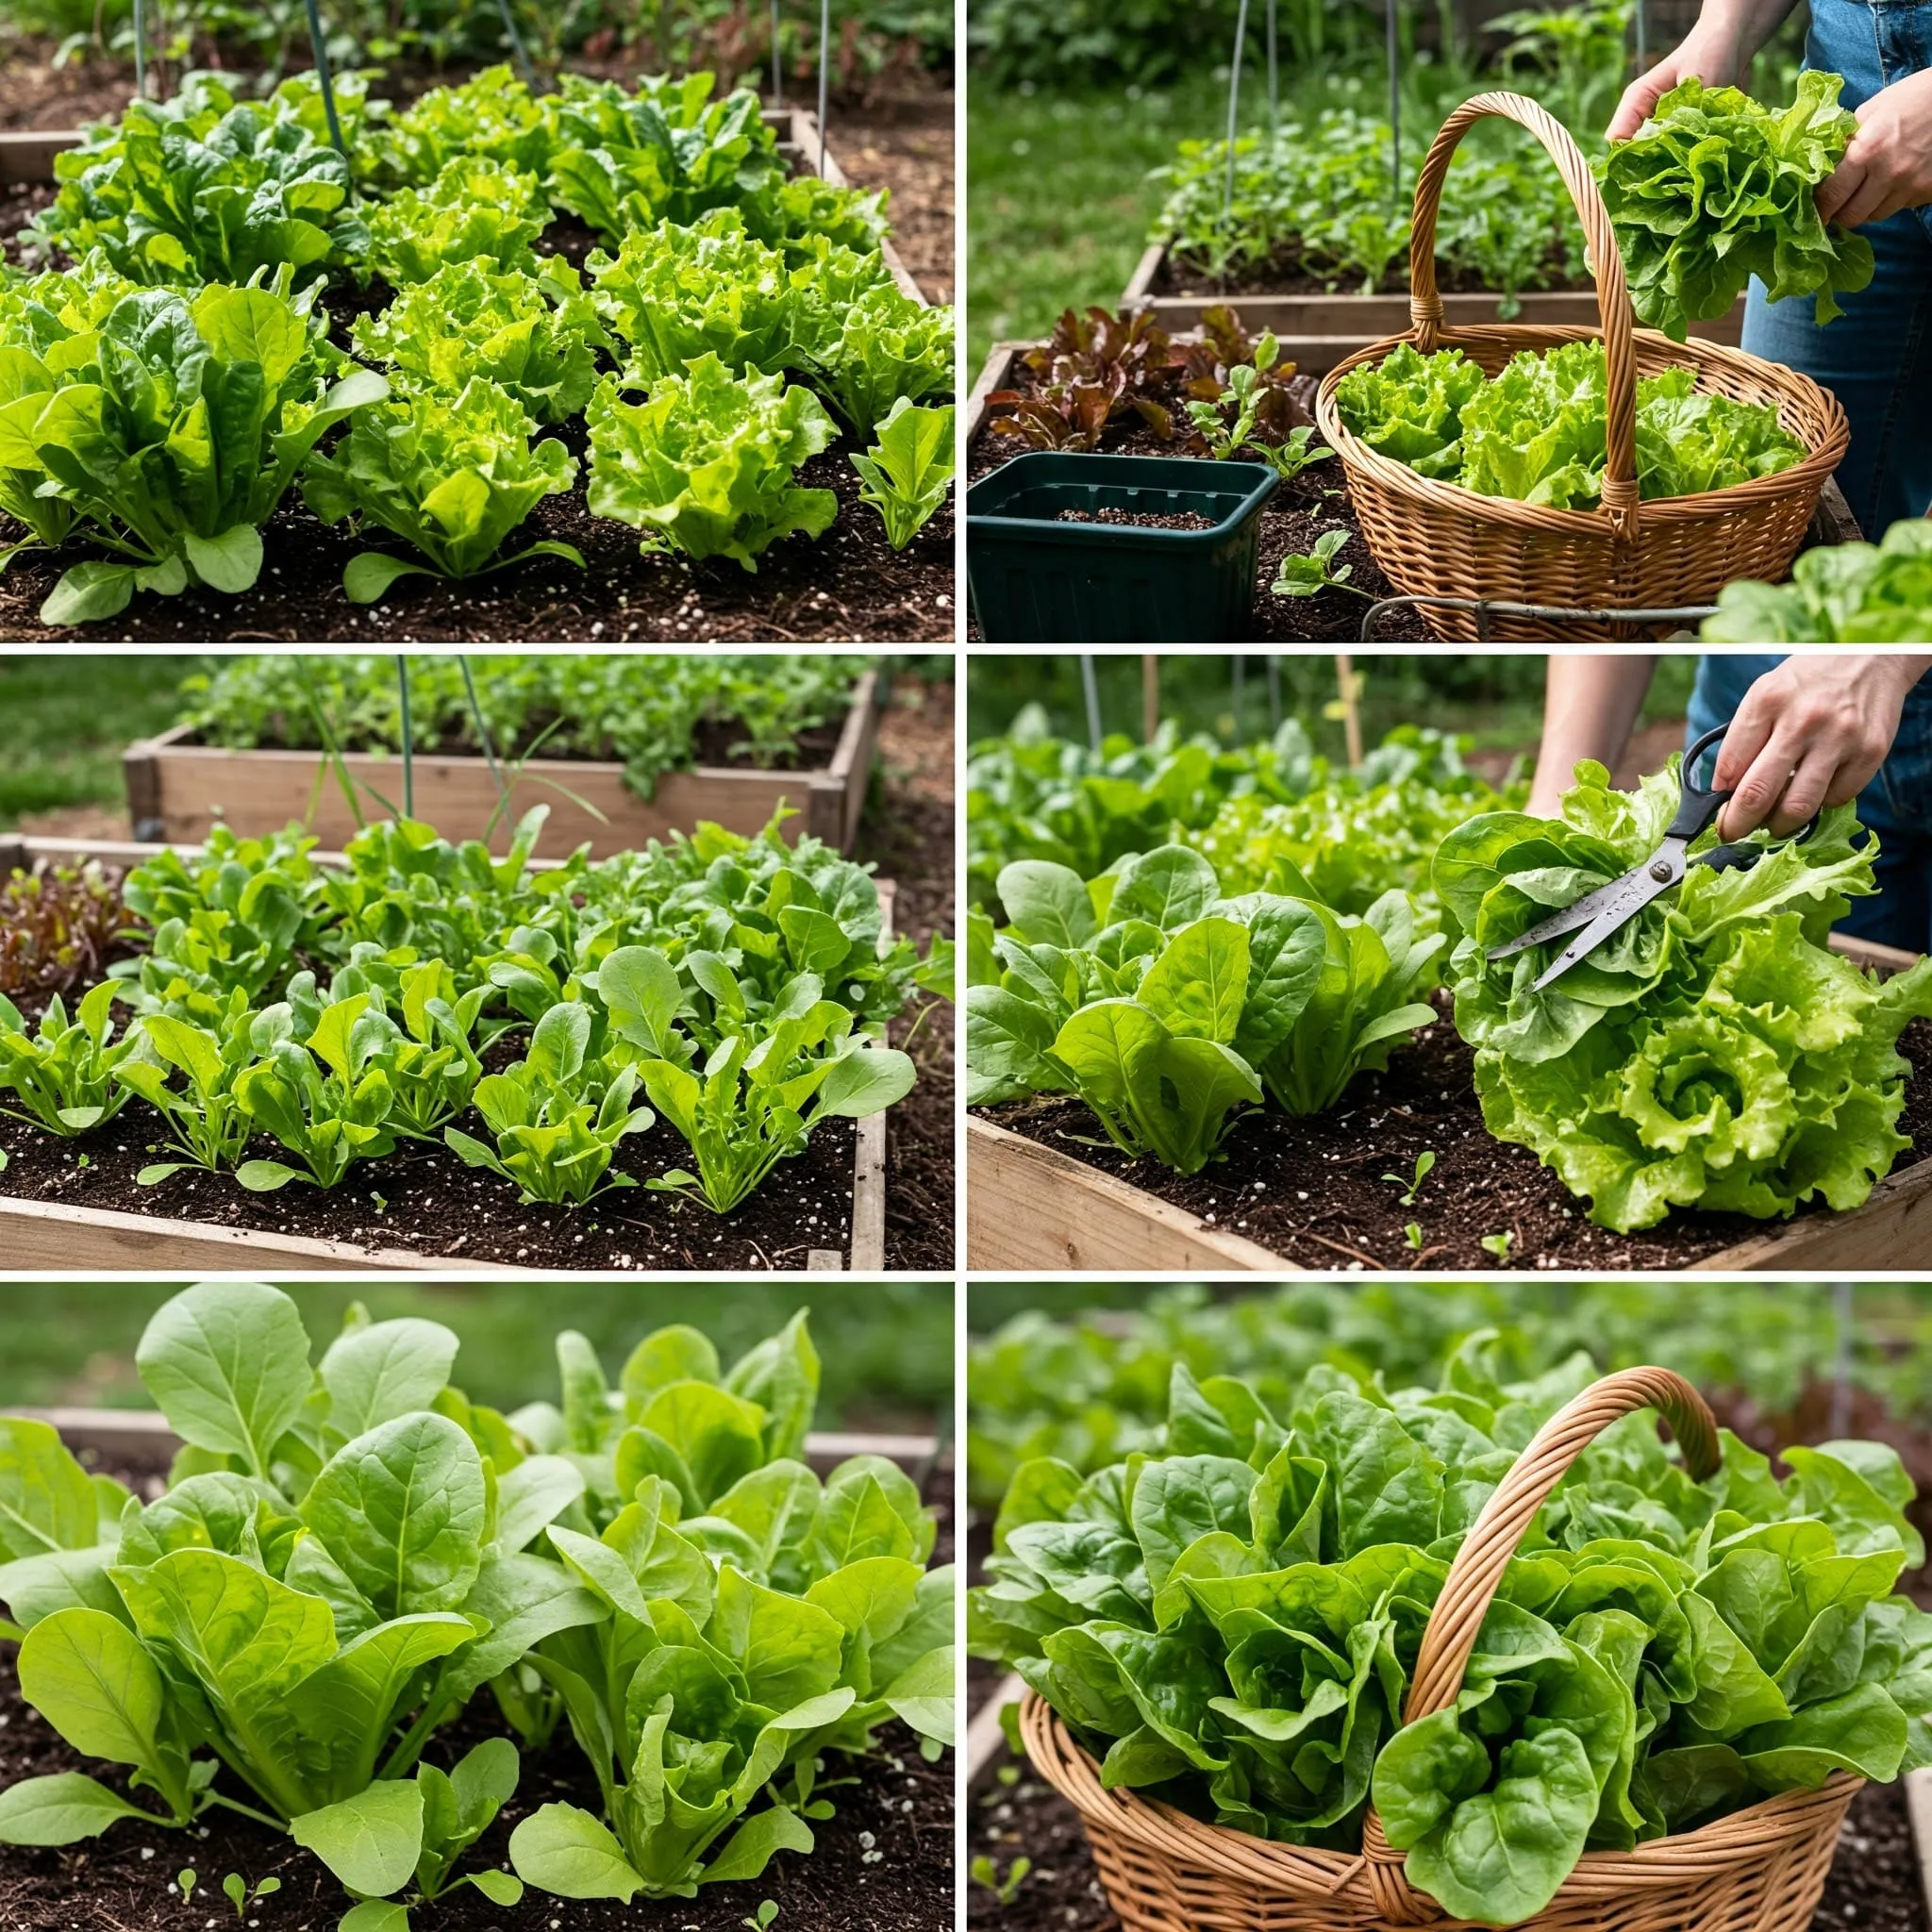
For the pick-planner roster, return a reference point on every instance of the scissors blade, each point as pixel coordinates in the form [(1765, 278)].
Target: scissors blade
[(1580, 913), (1622, 901)]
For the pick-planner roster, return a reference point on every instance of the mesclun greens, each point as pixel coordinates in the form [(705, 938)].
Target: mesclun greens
[(1840, 593), (1092, 1390), (232, 206), (1165, 1003), (341, 1012), (754, 1617), (1536, 430), (345, 1553), (1715, 188), (1232, 1622), (642, 709), (56, 925), (1711, 1054)]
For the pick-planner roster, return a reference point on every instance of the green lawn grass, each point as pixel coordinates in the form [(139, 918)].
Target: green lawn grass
[(66, 719), (886, 1347), (1059, 204)]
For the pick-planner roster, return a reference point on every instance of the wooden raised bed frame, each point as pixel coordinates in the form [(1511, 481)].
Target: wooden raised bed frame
[(178, 789), (1031, 1209), (1318, 331), (29, 156), (50, 1237)]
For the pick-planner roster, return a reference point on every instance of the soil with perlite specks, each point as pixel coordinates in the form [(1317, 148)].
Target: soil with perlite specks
[(1319, 1191), (883, 1863)]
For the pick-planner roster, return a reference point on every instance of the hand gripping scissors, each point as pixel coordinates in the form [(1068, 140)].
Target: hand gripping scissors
[(1609, 907)]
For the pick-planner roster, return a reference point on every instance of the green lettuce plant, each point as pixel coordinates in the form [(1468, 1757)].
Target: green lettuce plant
[(62, 1073), (757, 1618), (532, 336), (452, 476), (177, 436), (1232, 1619), (705, 465), (907, 472), (491, 116), (339, 1550), (476, 210), (1715, 188), (1713, 1052), (887, 346), (1840, 593)]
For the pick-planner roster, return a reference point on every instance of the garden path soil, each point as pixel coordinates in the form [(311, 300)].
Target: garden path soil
[(1314, 1190), (908, 832), (900, 1806)]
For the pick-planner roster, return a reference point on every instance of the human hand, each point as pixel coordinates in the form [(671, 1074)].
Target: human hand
[(1712, 50), (1811, 733), (1888, 164)]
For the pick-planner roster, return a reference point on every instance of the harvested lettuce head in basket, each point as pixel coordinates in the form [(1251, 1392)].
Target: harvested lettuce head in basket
[(1840, 593), (1713, 1052), (1231, 1623), (1536, 431), (1715, 188)]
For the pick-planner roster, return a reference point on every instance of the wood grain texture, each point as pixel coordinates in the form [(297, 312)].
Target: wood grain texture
[(994, 374), (177, 790), (1030, 1208)]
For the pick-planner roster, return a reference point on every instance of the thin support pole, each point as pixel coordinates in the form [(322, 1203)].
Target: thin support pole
[(140, 50), (1350, 711), (1842, 1362), (825, 68), (518, 50), (1090, 687), (1274, 692), (325, 79), (1150, 696), (1238, 692), (1642, 38), (1234, 96), (777, 83), (1394, 104), (409, 739)]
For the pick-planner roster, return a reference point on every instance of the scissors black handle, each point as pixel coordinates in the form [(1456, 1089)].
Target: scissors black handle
[(1698, 807)]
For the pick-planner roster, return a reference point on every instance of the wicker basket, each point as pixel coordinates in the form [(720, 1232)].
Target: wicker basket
[(1436, 539), (1761, 1870)]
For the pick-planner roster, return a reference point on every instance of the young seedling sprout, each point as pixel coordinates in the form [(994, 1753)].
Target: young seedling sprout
[(1424, 1162), (239, 1895), (1303, 575), (1498, 1244), (1412, 1234), (767, 1911), (185, 1881), (1245, 395), (987, 1873)]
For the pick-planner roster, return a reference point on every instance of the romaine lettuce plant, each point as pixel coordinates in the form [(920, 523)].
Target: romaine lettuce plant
[(451, 474), (1715, 188), (337, 1552), (476, 210), (1713, 1052), (1165, 1004), (705, 465), (177, 436), (907, 472), (757, 1618), (533, 335), (1232, 1619)]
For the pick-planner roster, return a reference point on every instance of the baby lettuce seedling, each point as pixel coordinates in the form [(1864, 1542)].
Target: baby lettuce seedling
[(907, 474), (63, 1072)]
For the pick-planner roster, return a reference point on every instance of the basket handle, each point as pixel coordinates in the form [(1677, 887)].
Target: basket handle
[(1458, 1617), (1612, 293)]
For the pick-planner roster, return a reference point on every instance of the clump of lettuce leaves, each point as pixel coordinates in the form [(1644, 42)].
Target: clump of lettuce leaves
[(1231, 1623), (1715, 188), (1536, 431), (1840, 593), (1713, 1052)]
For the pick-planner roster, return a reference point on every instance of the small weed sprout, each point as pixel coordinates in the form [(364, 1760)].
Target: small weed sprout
[(1425, 1161)]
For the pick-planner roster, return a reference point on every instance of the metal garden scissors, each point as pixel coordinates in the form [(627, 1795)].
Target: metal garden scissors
[(1604, 912)]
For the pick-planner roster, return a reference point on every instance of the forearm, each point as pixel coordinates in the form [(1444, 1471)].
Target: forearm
[(1744, 25), (1591, 705)]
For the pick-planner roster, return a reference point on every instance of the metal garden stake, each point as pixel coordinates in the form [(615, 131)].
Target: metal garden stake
[(516, 46), (1234, 96), (1090, 686), (777, 85), (325, 79), (824, 68)]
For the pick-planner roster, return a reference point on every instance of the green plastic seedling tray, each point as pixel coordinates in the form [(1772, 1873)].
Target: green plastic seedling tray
[(1035, 580)]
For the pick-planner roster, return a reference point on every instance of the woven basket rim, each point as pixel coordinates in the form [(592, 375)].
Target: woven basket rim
[(1809, 473), (1654, 1863)]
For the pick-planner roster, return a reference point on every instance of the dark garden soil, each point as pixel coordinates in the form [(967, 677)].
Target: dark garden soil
[(883, 1863), (1314, 1190), (1285, 274), (1143, 520), (907, 831), (425, 1199), (1297, 513), (849, 585)]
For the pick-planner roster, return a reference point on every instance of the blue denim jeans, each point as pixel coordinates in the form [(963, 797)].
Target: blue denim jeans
[(1896, 805), (1876, 357)]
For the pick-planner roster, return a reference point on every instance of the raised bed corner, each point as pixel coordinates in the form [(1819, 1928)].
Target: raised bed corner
[(1317, 331), (1033, 1210), (54, 1238), (178, 789)]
